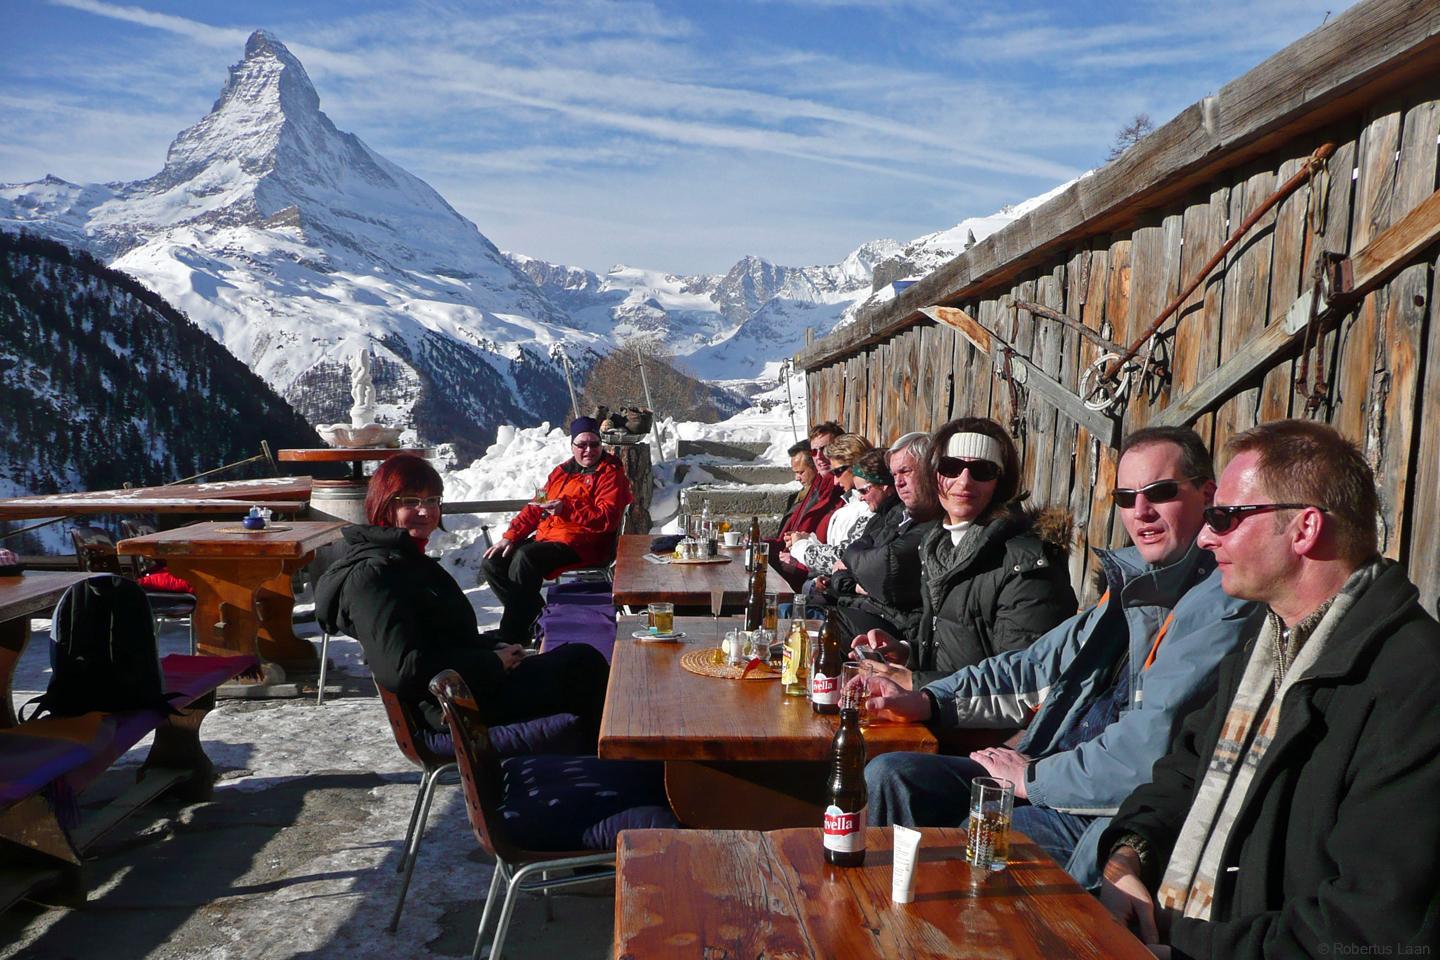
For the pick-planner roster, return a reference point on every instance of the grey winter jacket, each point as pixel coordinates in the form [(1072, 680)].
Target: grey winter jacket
[(1051, 684), (1004, 584)]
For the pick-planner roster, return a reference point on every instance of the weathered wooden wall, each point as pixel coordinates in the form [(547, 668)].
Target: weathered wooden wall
[(1383, 359)]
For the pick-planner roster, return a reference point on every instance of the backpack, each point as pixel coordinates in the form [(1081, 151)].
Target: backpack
[(103, 652)]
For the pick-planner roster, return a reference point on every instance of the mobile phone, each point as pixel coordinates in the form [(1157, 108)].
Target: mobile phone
[(868, 652)]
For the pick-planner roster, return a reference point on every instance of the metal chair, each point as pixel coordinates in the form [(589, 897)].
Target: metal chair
[(95, 552), (515, 868), (432, 766)]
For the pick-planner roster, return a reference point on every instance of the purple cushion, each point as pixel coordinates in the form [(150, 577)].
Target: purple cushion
[(557, 733), (579, 803), (579, 613)]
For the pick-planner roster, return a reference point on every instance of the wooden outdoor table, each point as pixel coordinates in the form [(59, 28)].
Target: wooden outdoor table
[(243, 599), (355, 456), (22, 598), (737, 753), (284, 494), (637, 581), (723, 893)]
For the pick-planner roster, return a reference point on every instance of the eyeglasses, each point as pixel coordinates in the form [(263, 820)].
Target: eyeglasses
[(819, 452), (415, 503), (861, 491), (840, 469), (1222, 519), (981, 471), (1161, 491), (585, 444)]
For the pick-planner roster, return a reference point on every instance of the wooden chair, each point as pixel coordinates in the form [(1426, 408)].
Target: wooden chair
[(515, 868), (95, 552), (432, 767)]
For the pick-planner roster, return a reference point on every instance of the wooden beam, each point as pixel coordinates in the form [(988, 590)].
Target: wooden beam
[(1364, 54), (1371, 266), (1030, 376)]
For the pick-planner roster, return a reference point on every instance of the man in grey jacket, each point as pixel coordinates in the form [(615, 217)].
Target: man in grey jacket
[(1101, 694)]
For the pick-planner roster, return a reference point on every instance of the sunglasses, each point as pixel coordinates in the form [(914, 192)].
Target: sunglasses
[(840, 469), (1222, 519), (819, 453), (1161, 491), (415, 503), (585, 444), (981, 471)]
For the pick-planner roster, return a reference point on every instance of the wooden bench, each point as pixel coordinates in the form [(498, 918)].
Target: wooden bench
[(45, 764)]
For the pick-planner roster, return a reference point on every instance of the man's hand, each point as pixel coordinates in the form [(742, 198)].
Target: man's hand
[(1004, 764), (839, 565), (554, 508), (890, 701), (1123, 893), (887, 646), (785, 556), (501, 548), (792, 536), (510, 654)]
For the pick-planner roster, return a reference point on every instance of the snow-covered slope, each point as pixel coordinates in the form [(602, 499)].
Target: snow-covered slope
[(294, 244)]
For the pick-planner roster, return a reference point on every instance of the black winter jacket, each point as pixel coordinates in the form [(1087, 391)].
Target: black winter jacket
[(885, 560), (410, 616), (1335, 849), (1005, 584)]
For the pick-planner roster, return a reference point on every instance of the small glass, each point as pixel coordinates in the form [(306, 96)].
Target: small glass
[(662, 619), (988, 832), (852, 688), (736, 647), (772, 612)]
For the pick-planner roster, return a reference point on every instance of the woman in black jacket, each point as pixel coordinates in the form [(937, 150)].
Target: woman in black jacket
[(993, 577), (413, 620)]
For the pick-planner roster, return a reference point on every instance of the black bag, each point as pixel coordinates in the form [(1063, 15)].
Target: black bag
[(103, 652)]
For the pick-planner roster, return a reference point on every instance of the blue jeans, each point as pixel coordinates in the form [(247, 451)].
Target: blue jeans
[(927, 790)]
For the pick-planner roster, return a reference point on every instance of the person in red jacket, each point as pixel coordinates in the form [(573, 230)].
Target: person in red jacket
[(575, 526)]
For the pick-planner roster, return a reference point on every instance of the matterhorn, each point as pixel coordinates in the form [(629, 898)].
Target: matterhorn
[(296, 245)]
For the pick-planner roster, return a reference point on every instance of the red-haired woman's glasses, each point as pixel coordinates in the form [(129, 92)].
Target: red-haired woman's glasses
[(415, 503), (981, 471), (1222, 519)]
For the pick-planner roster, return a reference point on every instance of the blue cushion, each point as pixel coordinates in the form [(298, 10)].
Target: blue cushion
[(579, 803), (557, 733)]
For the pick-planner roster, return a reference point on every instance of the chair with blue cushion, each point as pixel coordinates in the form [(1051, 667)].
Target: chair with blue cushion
[(542, 814)]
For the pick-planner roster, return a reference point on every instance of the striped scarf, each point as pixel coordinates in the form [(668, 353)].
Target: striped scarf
[(1190, 878)]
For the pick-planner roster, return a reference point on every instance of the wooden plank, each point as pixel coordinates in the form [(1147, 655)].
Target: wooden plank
[(1423, 539), (1092, 512), (1116, 327), (1360, 56), (1288, 271), (1402, 309), (1048, 352), (1155, 249), (1409, 237), (1196, 346)]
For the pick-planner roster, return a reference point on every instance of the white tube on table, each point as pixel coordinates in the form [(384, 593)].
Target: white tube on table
[(907, 851)]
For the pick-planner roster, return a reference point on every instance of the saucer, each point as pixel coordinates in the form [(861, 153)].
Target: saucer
[(657, 637)]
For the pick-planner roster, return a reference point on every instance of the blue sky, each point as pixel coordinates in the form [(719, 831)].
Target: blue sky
[(672, 135)]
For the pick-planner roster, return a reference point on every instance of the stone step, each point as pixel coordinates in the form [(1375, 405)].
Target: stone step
[(732, 450), (748, 473), (738, 503)]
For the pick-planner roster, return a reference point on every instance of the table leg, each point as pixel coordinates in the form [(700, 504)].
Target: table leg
[(245, 606), (746, 795), (14, 634)]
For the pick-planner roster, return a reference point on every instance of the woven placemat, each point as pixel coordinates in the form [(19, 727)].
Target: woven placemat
[(711, 663)]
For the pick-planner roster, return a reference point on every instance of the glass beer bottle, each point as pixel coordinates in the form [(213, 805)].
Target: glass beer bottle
[(846, 800), (825, 675), (755, 601), (754, 542)]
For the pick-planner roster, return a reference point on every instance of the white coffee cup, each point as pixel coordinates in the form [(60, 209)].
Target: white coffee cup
[(733, 538)]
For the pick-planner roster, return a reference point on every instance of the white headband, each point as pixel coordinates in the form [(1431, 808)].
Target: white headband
[(975, 446)]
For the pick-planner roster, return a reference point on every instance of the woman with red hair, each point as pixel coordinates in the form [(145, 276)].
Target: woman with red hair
[(413, 620)]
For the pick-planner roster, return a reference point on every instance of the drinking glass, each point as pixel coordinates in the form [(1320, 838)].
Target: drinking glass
[(662, 619), (852, 688), (988, 843), (772, 612)]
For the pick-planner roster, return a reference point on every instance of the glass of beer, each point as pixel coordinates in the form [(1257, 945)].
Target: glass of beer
[(988, 843), (662, 619), (772, 612)]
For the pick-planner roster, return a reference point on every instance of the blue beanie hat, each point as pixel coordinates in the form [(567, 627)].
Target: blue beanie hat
[(583, 425)]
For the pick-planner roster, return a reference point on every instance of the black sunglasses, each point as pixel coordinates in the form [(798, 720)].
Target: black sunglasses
[(839, 469), (981, 471), (1161, 491), (585, 444), (1221, 519)]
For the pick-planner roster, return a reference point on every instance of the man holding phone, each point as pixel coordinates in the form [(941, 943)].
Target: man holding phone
[(574, 524), (1100, 694)]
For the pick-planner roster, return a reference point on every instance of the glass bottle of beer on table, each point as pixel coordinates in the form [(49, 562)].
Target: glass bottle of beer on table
[(825, 674), (846, 799), (750, 548), (755, 598)]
